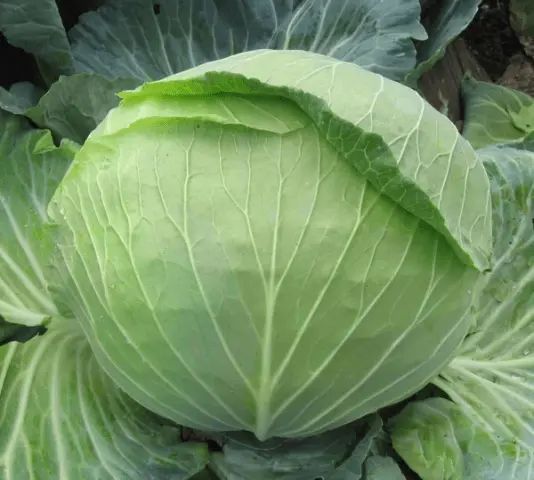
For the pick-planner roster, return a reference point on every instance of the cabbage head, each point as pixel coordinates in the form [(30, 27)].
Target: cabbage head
[(277, 242)]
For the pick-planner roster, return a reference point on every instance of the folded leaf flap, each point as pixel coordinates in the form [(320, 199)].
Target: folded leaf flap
[(403, 146)]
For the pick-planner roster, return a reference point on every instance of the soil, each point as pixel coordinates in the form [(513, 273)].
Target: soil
[(491, 38), (519, 75)]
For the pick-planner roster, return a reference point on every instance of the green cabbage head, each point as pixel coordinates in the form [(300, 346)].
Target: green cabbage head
[(277, 242)]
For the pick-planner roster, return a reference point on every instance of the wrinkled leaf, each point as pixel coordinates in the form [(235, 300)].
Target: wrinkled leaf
[(336, 455), (353, 467), (71, 108), (75, 105), (439, 440), (243, 457), (133, 38)]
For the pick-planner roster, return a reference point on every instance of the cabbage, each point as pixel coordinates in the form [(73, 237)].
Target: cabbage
[(278, 242)]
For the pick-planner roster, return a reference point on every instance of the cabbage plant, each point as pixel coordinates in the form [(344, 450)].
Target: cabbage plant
[(236, 243)]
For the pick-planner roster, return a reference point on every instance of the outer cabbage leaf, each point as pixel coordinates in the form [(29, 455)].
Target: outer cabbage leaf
[(252, 190), (353, 467), (31, 167), (452, 18), (36, 26), (244, 458), (526, 144), (136, 38), (63, 418), (369, 460), (20, 97), (489, 431), (381, 468), (346, 453), (62, 109), (495, 114), (439, 440), (69, 114)]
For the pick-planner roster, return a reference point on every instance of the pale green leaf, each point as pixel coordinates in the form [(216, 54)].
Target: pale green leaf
[(391, 163), (439, 441), (524, 119), (495, 114)]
